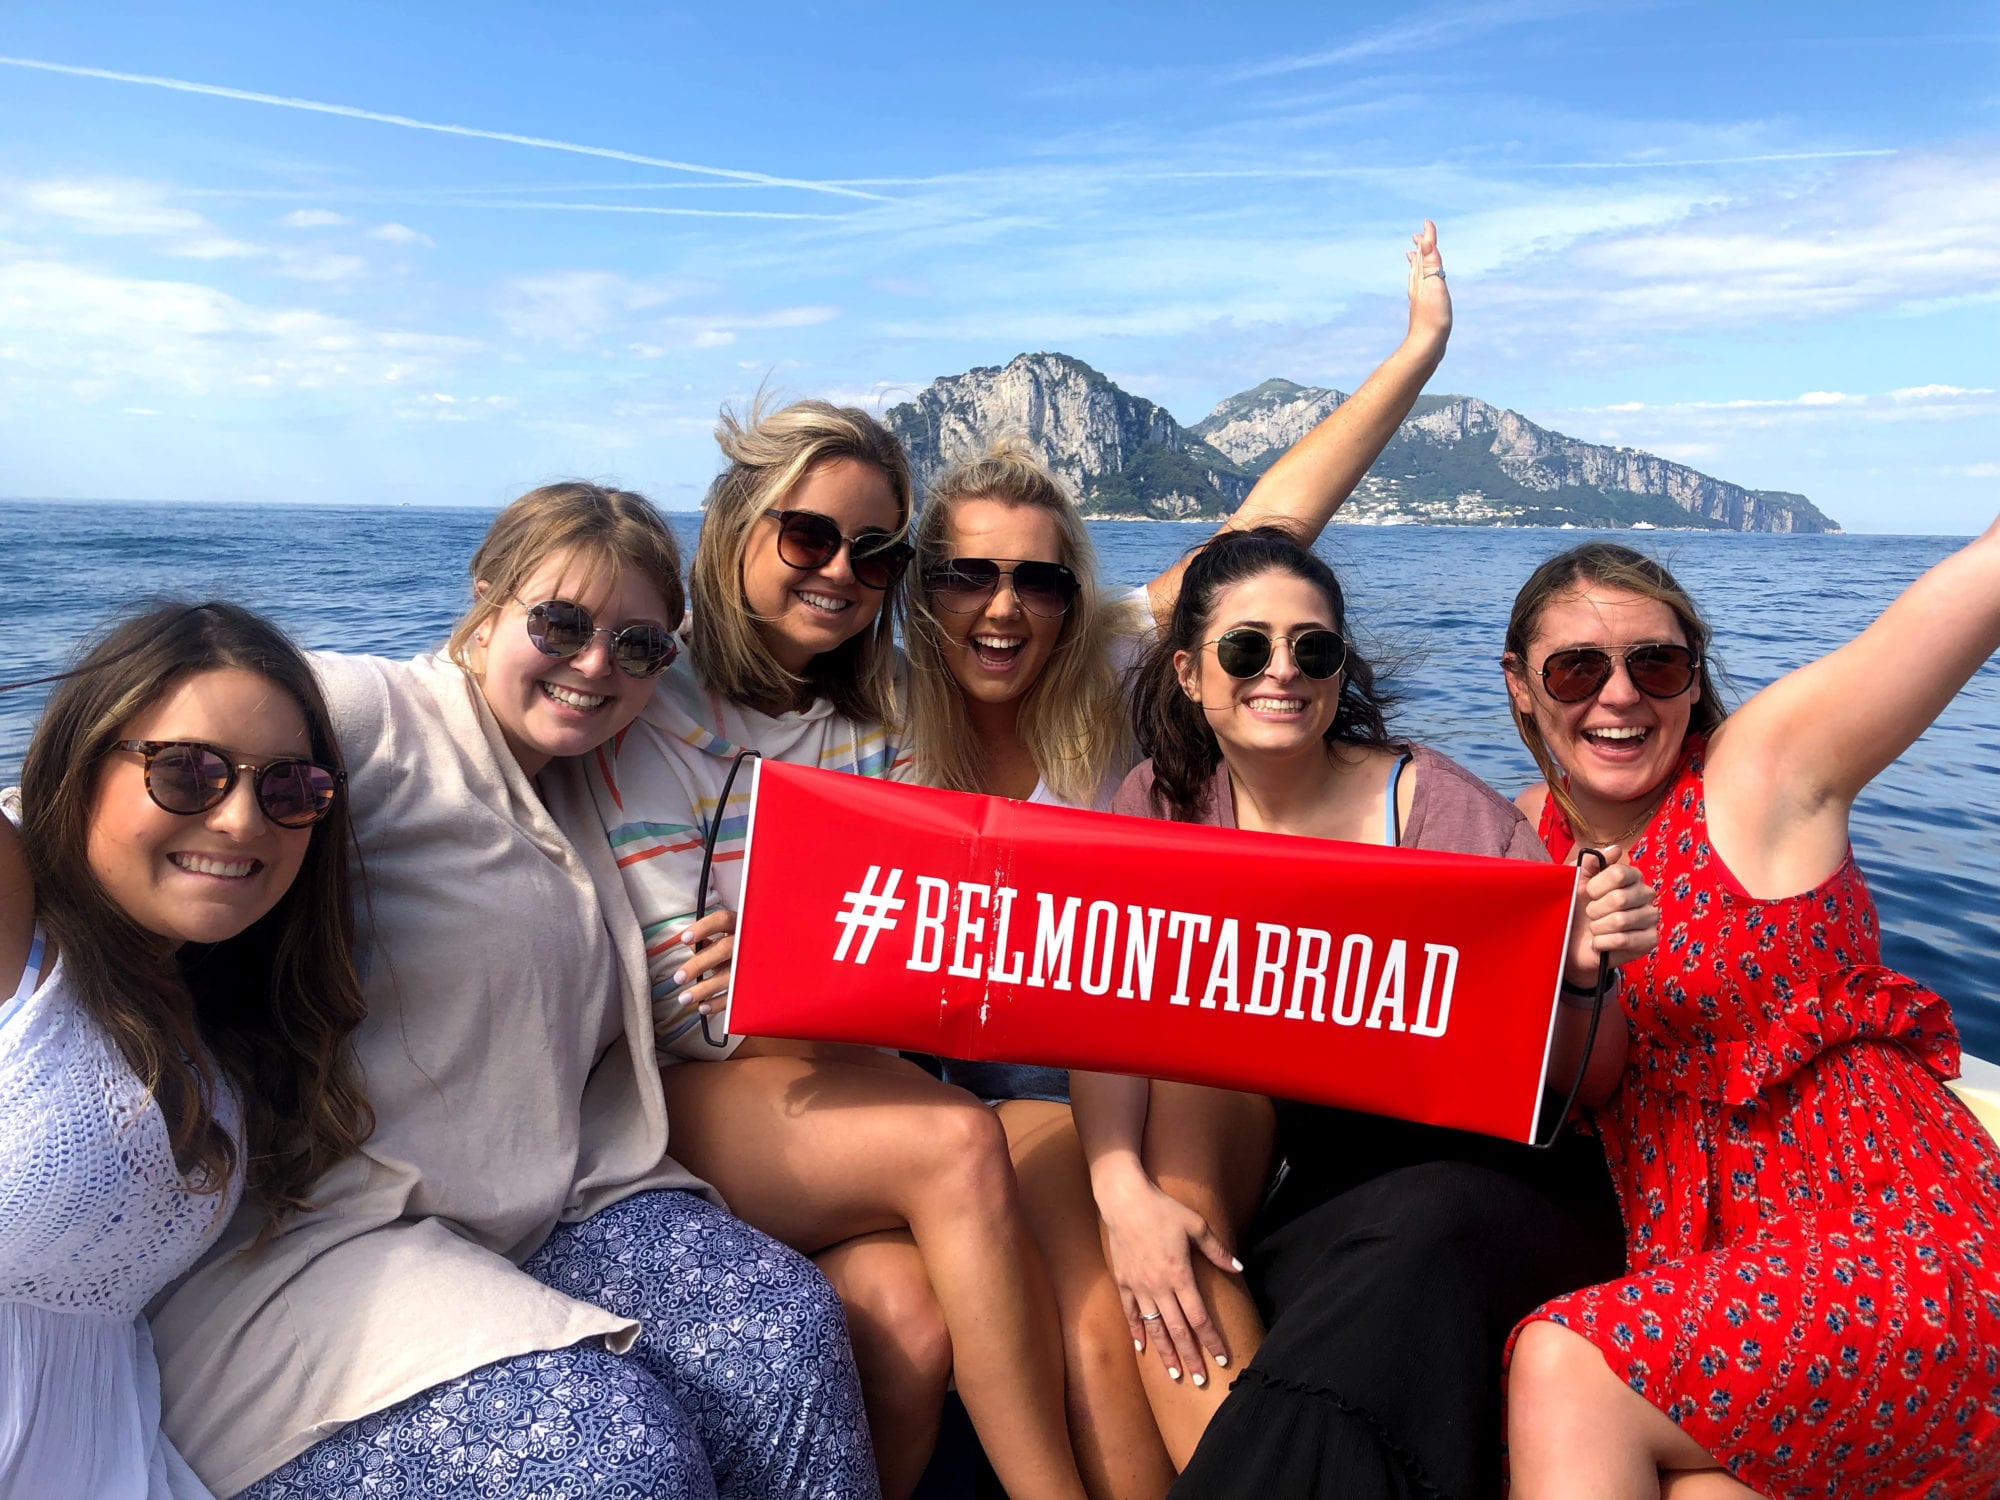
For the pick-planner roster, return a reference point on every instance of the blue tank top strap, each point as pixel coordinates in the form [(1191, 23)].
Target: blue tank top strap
[(1392, 812), (31, 978)]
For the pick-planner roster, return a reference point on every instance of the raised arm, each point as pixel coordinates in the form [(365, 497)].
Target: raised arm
[(1785, 768), (1304, 488)]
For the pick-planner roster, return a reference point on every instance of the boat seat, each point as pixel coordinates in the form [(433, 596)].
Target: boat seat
[(1979, 1086)]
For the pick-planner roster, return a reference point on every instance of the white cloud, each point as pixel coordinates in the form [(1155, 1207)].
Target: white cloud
[(314, 218), (106, 333), (1936, 392), (123, 208), (714, 338), (400, 234), (1911, 232)]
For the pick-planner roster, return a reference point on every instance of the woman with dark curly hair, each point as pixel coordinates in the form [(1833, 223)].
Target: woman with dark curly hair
[(1393, 1257)]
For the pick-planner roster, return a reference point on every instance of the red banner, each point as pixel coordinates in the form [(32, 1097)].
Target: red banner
[(1402, 982)]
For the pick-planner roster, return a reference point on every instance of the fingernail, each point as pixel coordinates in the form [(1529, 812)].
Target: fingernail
[(1222, 1361), (680, 976), (1200, 1381), (1137, 1347), (1172, 1373), (704, 1009), (682, 937)]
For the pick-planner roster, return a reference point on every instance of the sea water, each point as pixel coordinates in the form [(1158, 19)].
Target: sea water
[(1428, 603)]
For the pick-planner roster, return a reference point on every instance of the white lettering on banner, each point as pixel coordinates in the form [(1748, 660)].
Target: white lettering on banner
[(968, 929), (927, 947), (1053, 941), (1181, 924), (1288, 962)]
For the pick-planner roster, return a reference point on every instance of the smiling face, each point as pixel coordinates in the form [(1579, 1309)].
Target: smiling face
[(1618, 745), (1280, 712), (996, 652), (552, 706), (804, 612), (204, 877)]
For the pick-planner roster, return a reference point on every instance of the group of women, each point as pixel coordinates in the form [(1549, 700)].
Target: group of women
[(356, 997)]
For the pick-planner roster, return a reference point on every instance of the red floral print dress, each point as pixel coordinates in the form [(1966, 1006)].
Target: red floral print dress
[(1812, 1219)]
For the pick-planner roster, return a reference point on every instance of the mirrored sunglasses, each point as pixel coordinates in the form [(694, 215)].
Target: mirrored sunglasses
[(188, 777), (561, 628)]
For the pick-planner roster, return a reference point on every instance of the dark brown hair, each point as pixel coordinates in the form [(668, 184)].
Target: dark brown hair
[(272, 1007), (1173, 732)]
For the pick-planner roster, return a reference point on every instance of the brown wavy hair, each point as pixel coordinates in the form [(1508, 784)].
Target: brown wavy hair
[(1174, 733), (1602, 565), (270, 1009), (769, 455)]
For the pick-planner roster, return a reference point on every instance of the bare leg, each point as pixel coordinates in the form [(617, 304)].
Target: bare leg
[(819, 1149), (1574, 1429), (901, 1348), (1111, 1425), (1211, 1149)]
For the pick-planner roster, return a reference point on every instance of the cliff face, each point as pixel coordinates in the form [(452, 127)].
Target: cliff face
[(1457, 460), (1119, 454)]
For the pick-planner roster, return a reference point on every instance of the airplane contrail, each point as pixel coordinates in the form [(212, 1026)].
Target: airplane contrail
[(348, 111)]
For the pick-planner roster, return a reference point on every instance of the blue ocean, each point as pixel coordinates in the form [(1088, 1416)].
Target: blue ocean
[(1431, 603)]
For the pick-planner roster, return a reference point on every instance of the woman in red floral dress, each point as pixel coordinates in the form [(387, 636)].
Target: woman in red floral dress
[(1812, 1304)]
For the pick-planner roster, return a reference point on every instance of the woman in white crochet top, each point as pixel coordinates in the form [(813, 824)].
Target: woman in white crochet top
[(177, 884)]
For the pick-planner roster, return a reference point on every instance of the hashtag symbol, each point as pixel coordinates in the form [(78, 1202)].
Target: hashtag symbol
[(867, 908)]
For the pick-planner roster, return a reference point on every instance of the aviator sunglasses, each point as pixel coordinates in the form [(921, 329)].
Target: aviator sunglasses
[(1659, 671), (966, 583), (188, 777), (1246, 651), (809, 540), (559, 627)]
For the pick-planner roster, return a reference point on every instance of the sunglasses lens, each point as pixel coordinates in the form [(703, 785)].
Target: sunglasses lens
[(560, 628), (963, 584), (878, 560), (806, 540), (644, 650), (1044, 588), (1661, 671), (1243, 653), (187, 778), (1319, 653), (294, 793), (1572, 676)]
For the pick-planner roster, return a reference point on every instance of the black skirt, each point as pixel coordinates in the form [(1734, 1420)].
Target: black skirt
[(1391, 1265)]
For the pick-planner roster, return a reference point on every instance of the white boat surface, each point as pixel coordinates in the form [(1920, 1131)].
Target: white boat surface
[(1979, 1086)]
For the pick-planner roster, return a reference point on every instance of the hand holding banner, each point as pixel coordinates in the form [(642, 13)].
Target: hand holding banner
[(1401, 982)]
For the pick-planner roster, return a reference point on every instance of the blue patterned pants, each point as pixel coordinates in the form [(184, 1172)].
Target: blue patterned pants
[(740, 1385)]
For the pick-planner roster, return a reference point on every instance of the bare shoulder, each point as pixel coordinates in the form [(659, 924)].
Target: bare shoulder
[(1532, 800)]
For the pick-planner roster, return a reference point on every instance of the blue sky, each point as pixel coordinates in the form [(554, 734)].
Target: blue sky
[(1761, 239)]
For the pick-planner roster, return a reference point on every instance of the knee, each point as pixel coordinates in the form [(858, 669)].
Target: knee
[(1550, 1367), (1098, 1340), (896, 1323), (966, 1158)]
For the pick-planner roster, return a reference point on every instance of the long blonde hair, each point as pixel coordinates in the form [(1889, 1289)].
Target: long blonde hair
[(1602, 565), (1073, 716), (769, 456), (601, 528)]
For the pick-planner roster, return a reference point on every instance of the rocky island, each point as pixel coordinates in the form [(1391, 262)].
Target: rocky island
[(1457, 461)]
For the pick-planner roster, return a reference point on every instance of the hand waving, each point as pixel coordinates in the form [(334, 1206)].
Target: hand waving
[(1430, 298)]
